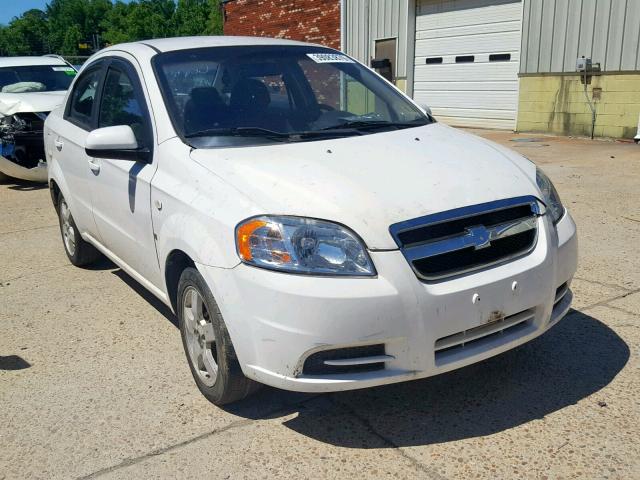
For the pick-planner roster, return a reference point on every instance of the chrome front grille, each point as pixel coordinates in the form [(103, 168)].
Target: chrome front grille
[(466, 239)]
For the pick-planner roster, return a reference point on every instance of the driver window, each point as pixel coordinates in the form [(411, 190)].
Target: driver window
[(121, 105)]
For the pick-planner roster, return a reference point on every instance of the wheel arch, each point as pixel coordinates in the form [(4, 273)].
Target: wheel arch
[(177, 261), (54, 190)]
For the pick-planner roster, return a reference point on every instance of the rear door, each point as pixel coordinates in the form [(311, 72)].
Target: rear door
[(121, 189), (66, 141)]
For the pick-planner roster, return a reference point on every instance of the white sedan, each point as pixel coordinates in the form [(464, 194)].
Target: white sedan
[(311, 227)]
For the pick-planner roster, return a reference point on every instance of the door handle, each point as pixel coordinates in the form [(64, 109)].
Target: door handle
[(59, 144), (95, 168)]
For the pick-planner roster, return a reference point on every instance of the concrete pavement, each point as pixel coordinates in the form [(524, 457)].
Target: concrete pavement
[(94, 382)]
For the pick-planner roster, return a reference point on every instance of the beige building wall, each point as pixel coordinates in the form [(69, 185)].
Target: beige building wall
[(557, 104)]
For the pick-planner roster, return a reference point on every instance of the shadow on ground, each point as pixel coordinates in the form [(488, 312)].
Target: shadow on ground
[(13, 362), (575, 359), (148, 296), (23, 185)]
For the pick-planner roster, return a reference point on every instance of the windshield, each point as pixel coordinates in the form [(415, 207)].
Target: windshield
[(255, 94), (35, 78)]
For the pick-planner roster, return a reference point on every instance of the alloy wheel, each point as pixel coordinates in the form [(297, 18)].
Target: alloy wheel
[(200, 336), (68, 232)]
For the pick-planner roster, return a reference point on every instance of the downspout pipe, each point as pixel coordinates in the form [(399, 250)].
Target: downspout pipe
[(591, 105)]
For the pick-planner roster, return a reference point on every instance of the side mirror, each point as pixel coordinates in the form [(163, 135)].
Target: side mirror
[(117, 143), (426, 108)]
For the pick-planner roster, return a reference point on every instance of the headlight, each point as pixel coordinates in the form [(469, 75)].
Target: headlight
[(302, 245), (550, 196)]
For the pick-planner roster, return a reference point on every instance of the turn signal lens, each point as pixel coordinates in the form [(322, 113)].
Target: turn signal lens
[(243, 234)]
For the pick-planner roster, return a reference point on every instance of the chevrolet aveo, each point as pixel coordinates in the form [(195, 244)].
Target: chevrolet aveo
[(311, 227)]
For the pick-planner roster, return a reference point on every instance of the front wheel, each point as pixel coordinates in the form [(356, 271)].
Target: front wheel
[(212, 358)]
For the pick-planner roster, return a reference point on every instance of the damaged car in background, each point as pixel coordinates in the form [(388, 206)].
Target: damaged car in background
[(30, 87)]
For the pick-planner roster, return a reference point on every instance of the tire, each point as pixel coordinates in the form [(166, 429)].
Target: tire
[(79, 252), (207, 345)]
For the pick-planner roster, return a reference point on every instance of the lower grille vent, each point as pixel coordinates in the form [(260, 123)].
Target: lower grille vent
[(479, 339), (367, 358)]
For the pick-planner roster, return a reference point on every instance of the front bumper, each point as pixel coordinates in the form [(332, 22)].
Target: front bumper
[(277, 320)]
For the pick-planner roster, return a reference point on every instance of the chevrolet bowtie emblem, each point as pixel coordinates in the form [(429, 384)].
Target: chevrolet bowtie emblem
[(480, 237)]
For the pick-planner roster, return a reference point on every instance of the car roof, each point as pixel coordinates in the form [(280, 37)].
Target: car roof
[(183, 43), (29, 61)]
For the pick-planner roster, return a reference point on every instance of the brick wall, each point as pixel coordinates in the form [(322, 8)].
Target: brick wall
[(315, 21)]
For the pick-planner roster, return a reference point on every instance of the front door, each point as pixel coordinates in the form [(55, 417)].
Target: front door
[(121, 189)]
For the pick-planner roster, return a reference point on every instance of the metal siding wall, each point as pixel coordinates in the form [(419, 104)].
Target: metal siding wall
[(369, 20), (357, 34), (559, 35), (532, 49), (631, 37), (556, 32), (573, 36)]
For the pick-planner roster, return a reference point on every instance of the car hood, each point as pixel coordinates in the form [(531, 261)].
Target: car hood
[(12, 103), (372, 181)]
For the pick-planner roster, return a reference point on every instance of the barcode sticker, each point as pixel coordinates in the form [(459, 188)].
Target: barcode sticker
[(329, 58)]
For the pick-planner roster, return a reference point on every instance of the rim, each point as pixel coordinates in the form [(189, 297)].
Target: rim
[(68, 232), (200, 336)]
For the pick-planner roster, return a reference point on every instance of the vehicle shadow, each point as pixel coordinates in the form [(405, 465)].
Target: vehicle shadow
[(13, 362), (572, 361), (146, 295), (23, 185), (103, 263)]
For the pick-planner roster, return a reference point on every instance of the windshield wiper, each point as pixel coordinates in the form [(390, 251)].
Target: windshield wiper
[(239, 132), (367, 124), (271, 134)]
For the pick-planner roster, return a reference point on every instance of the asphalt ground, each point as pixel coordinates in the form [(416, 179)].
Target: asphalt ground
[(94, 382)]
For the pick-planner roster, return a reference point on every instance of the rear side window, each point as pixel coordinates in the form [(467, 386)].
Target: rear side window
[(121, 105), (82, 99)]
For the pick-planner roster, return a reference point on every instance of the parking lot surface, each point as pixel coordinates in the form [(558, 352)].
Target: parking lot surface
[(94, 382)]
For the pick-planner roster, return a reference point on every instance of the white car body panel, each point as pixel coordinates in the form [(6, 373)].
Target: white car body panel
[(191, 200)]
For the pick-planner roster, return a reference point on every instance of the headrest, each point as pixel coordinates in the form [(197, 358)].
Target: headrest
[(250, 93)]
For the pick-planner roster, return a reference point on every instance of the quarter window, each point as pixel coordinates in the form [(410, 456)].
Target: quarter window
[(82, 98), (121, 105)]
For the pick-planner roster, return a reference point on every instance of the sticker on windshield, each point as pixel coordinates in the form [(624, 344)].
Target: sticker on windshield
[(67, 70), (329, 58)]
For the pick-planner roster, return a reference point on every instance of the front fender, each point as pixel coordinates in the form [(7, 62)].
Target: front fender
[(195, 211)]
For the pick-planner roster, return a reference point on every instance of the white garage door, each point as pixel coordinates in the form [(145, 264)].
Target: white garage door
[(467, 58)]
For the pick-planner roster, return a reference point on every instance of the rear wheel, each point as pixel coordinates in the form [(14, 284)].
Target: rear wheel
[(207, 344), (79, 252)]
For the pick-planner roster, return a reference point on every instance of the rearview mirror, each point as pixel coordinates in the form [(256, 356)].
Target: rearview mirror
[(117, 143)]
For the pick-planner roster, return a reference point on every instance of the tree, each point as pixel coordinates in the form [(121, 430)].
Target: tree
[(67, 23), (191, 17), (26, 35), (216, 20), (72, 38)]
